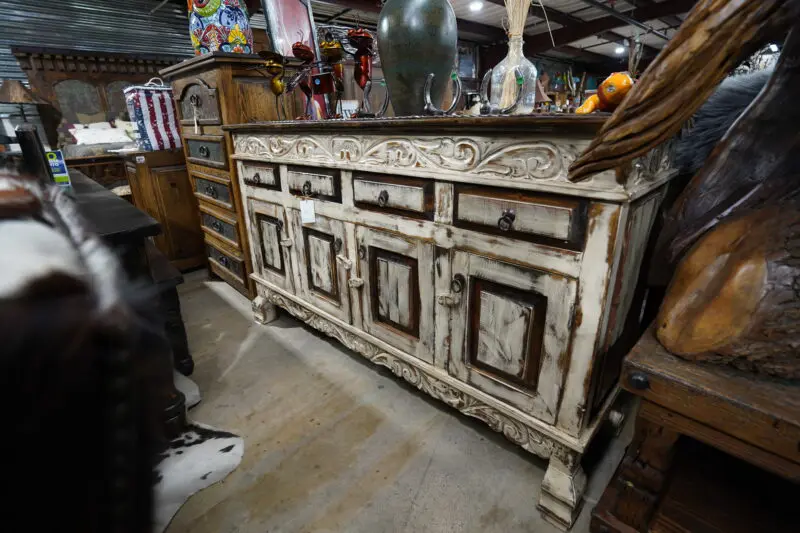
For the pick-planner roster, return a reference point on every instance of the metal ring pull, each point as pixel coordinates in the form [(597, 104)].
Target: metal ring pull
[(257, 177), (431, 109), (506, 221), (487, 108), (204, 151), (307, 188), (195, 100), (217, 226), (383, 198), (224, 261), (458, 284), (211, 191)]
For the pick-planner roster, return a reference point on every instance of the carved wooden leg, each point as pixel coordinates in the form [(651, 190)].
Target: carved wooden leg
[(263, 311), (562, 488), (632, 496)]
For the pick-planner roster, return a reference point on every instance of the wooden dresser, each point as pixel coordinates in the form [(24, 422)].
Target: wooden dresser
[(160, 187), (455, 252), (212, 90)]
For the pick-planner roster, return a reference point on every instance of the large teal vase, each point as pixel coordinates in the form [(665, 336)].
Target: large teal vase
[(416, 38)]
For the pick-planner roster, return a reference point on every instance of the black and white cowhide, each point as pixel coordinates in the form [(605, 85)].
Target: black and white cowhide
[(200, 457)]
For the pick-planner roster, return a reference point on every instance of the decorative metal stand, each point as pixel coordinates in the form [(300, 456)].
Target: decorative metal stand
[(365, 109), (487, 108), (431, 109)]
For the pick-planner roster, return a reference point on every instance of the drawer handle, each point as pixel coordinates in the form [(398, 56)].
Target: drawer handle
[(211, 191), (195, 100), (337, 245), (639, 381), (257, 177), (224, 261), (307, 188), (383, 198), (458, 284), (362, 252), (506, 222), (204, 151), (217, 226)]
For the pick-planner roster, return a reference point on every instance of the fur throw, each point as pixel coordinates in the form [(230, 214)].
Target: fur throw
[(716, 117)]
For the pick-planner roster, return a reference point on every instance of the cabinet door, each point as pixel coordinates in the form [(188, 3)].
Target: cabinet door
[(322, 264), (179, 213), (270, 245), (511, 331), (398, 296)]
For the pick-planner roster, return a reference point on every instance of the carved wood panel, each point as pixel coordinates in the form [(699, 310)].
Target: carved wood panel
[(398, 290), (270, 253), (322, 267), (199, 104), (510, 331)]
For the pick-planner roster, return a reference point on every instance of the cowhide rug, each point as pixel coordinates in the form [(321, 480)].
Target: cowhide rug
[(200, 457)]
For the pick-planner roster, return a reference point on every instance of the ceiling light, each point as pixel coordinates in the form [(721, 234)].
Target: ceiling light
[(475, 6), (773, 48), (619, 50)]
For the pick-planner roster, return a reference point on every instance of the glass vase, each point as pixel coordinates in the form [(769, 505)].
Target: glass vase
[(504, 84)]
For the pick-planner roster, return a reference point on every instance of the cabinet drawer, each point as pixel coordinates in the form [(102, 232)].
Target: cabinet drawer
[(411, 197), (213, 191), (207, 150), (227, 261), (321, 183), (540, 218), (199, 104), (222, 226), (260, 175)]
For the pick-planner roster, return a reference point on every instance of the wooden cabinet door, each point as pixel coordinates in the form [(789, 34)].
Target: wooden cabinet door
[(322, 264), (178, 212), (398, 296), (511, 331), (270, 244)]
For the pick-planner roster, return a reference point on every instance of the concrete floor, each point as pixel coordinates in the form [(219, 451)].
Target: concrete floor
[(335, 444)]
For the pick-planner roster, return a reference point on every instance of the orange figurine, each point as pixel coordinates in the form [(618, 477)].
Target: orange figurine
[(609, 95)]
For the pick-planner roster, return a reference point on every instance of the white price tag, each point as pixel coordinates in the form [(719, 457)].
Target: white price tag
[(140, 160), (307, 214)]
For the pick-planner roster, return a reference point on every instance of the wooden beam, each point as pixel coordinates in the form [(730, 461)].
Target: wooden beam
[(670, 20), (568, 34)]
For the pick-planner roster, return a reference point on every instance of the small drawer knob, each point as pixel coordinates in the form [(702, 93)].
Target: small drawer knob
[(224, 261), (195, 100), (257, 177), (211, 191), (383, 198), (307, 188), (204, 151), (506, 221), (217, 226), (639, 381)]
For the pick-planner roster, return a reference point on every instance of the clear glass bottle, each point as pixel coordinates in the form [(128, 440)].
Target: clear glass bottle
[(502, 92)]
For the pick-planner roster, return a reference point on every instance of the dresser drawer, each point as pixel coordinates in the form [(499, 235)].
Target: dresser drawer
[(406, 196), (221, 225), (321, 183), (213, 189), (260, 175), (539, 218), (207, 150), (226, 260), (199, 104)]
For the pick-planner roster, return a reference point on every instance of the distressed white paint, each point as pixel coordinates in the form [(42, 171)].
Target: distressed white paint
[(322, 264), (321, 184), (503, 335), (548, 418), (398, 196), (271, 240), (255, 174), (394, 299), (534, 218), (560, 293)]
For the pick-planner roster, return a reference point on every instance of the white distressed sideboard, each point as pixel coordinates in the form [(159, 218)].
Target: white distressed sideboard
[(455, 252)]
